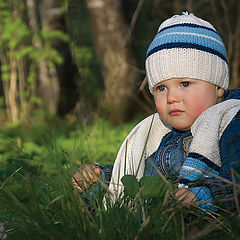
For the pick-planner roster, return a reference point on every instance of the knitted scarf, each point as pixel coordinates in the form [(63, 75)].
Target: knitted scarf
[(204, 154)]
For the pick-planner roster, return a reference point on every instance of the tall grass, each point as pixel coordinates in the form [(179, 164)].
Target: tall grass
[(38, 201)]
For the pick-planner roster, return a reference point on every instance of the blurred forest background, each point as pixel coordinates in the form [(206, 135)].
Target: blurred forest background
[(75, 58)]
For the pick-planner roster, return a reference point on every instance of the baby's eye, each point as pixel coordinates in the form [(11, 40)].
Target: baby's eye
[(161, 88), (185, 84)]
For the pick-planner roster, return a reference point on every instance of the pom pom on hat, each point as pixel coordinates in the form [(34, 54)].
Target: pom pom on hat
[(187, 47)]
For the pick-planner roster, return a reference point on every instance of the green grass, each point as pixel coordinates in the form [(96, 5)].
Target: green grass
[(42, 144), (38, 201)]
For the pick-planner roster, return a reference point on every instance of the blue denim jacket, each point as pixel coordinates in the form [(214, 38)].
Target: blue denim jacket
[(170, 155)]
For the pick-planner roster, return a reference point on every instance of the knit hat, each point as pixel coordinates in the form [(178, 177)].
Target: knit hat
[(187, 46)]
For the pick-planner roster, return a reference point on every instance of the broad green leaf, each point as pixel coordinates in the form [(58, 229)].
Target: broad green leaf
[(131, 185), (152, 186)]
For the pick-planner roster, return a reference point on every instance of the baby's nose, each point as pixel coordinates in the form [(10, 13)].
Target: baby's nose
[(173, 96)]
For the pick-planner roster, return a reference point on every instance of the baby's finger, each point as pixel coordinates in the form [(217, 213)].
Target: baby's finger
[(77, 185), (93, 173), (88, 176), (97, 171)]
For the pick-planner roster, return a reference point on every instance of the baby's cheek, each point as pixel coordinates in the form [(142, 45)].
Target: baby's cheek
[(197, 110)]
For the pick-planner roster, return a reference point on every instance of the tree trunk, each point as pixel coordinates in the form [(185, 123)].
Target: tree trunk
[(235, 81), (59, 88), (111, 33), (12, 93), (48, 82), (177, 6), (4, 61)]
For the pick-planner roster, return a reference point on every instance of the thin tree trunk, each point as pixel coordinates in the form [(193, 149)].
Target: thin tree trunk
[(189, 5), (177, 6), (235, 83), (5, 62), (48, 86), (111, 40), (21, 65), (63, 88), (12, 94)]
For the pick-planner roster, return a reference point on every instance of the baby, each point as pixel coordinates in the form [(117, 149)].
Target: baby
[(193, 139)]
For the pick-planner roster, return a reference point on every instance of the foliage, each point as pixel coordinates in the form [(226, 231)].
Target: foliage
[(35, 143), (20, 57), (37, 198), (147, 187)]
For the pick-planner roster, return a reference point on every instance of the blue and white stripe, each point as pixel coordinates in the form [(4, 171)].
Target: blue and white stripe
[(195, 169), (190, 36), (204, 198)]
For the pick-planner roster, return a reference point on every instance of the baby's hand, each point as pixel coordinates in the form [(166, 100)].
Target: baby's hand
[(185, 196), (85, 176)]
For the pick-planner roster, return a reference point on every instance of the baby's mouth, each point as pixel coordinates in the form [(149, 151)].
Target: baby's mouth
[(175, 112)]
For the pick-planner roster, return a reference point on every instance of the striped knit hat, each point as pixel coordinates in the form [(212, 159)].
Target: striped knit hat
[(187, 46)]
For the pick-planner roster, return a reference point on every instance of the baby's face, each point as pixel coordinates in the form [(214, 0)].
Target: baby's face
[(179, 101)]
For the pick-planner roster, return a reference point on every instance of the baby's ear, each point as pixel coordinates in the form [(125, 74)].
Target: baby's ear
[(220, 92)]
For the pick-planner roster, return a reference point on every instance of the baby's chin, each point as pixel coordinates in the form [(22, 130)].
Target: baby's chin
[(181, 128)]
